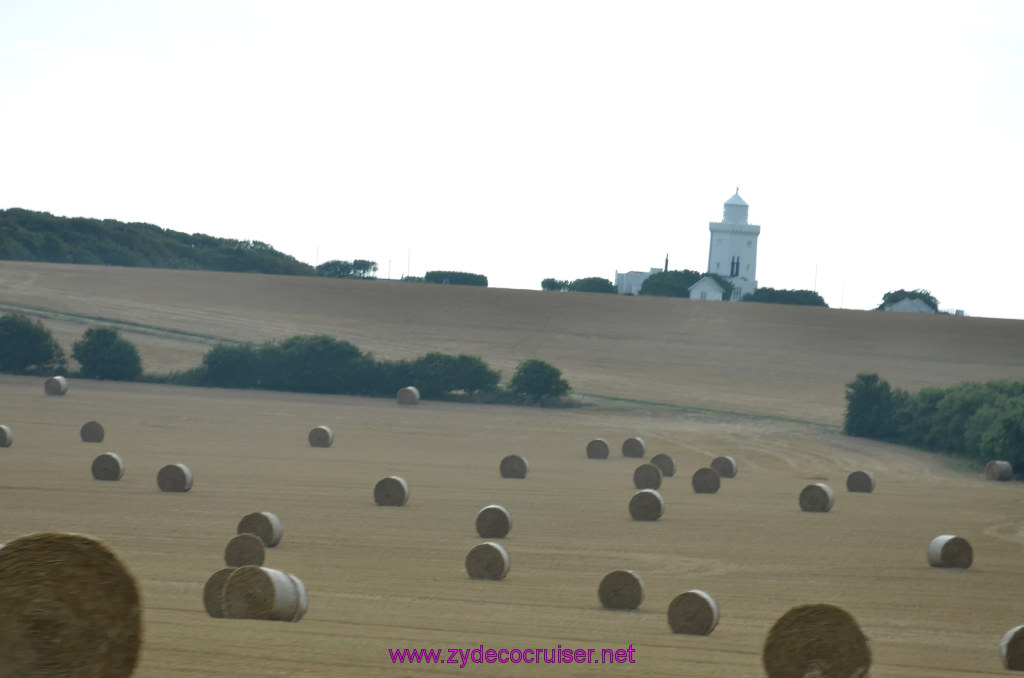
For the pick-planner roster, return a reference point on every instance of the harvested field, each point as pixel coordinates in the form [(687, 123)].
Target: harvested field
[(388, 579)]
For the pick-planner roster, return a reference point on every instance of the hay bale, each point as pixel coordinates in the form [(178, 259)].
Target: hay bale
[(999, 470), (514, 466), (92, 432), (264, 525), (816, 640), (817, 498), (621, 590), (70, 609), (107, 466), (1011, 649), (726, 466), (493, 522), (391, 491), (634, 447), (948, 550), (860, 481), (665, 463), (244, 549), (487, 561), (694, 613), (254, 592), (647, 477), (6, 435), (174, 478), (213, 592), (55, 386), (321, 436), (303, 605), (598, 448), (706, 481), (408, 395), (646, 505)]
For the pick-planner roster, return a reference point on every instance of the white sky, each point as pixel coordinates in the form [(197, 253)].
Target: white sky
[(880, 145)]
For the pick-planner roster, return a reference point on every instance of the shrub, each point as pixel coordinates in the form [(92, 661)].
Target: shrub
[(104, 354), (438, 374), (536, 380), (27, 347), (455, 278), (869, 410)]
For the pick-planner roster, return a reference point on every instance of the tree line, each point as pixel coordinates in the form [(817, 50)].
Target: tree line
[(303, 363), (979, 421)]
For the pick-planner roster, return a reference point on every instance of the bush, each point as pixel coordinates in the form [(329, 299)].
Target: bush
[(536, 380), (770, 295), (869, 410), (592, 285), (455, 278), (104, 354), (27, 347), (437, 374), (671, 283)]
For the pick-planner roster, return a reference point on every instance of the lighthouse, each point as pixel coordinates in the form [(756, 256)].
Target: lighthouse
[(733, 250)]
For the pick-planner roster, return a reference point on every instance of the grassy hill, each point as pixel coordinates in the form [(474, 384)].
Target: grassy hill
[(764, 359)]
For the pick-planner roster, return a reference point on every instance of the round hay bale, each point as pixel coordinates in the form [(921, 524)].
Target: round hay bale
[(408, 395), (1011, 649), (213, 592), (694, 613), (6, 435), (647, 477), (321, 436), (493, 522), (174, 478), (999, 470), (726, 466), (244, 549), (264, 525), (92, 432), (391, 491), (303, 604), (514, 466), (665, 463), (254, 592), (860, 481), (634, 447), (55, 386), (817, 498), (70, 609), (621, 590), (948, 550), (646, 505), (487, 561), (598, 448), (816, 640), (706, 481), (107, 466)]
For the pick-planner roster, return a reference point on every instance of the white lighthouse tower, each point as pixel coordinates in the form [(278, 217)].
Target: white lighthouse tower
[(733, 250)]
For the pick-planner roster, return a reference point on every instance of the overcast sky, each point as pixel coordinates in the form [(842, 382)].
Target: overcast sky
[(880, 145)]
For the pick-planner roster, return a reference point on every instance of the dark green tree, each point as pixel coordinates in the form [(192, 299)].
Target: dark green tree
[(104, 354), (455, 278), (592, 285), (552, 285), (671, 283), (893, 297), (535, 380), (869, 408), (770, 295), (335, 268), (361, 268), (231, 366), (27, 347)]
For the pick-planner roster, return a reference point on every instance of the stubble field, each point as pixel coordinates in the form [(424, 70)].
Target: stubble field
[(695, 380)]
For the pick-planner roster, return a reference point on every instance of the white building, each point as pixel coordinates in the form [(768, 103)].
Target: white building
[(733, 250), (630, 283), (707, 289)]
